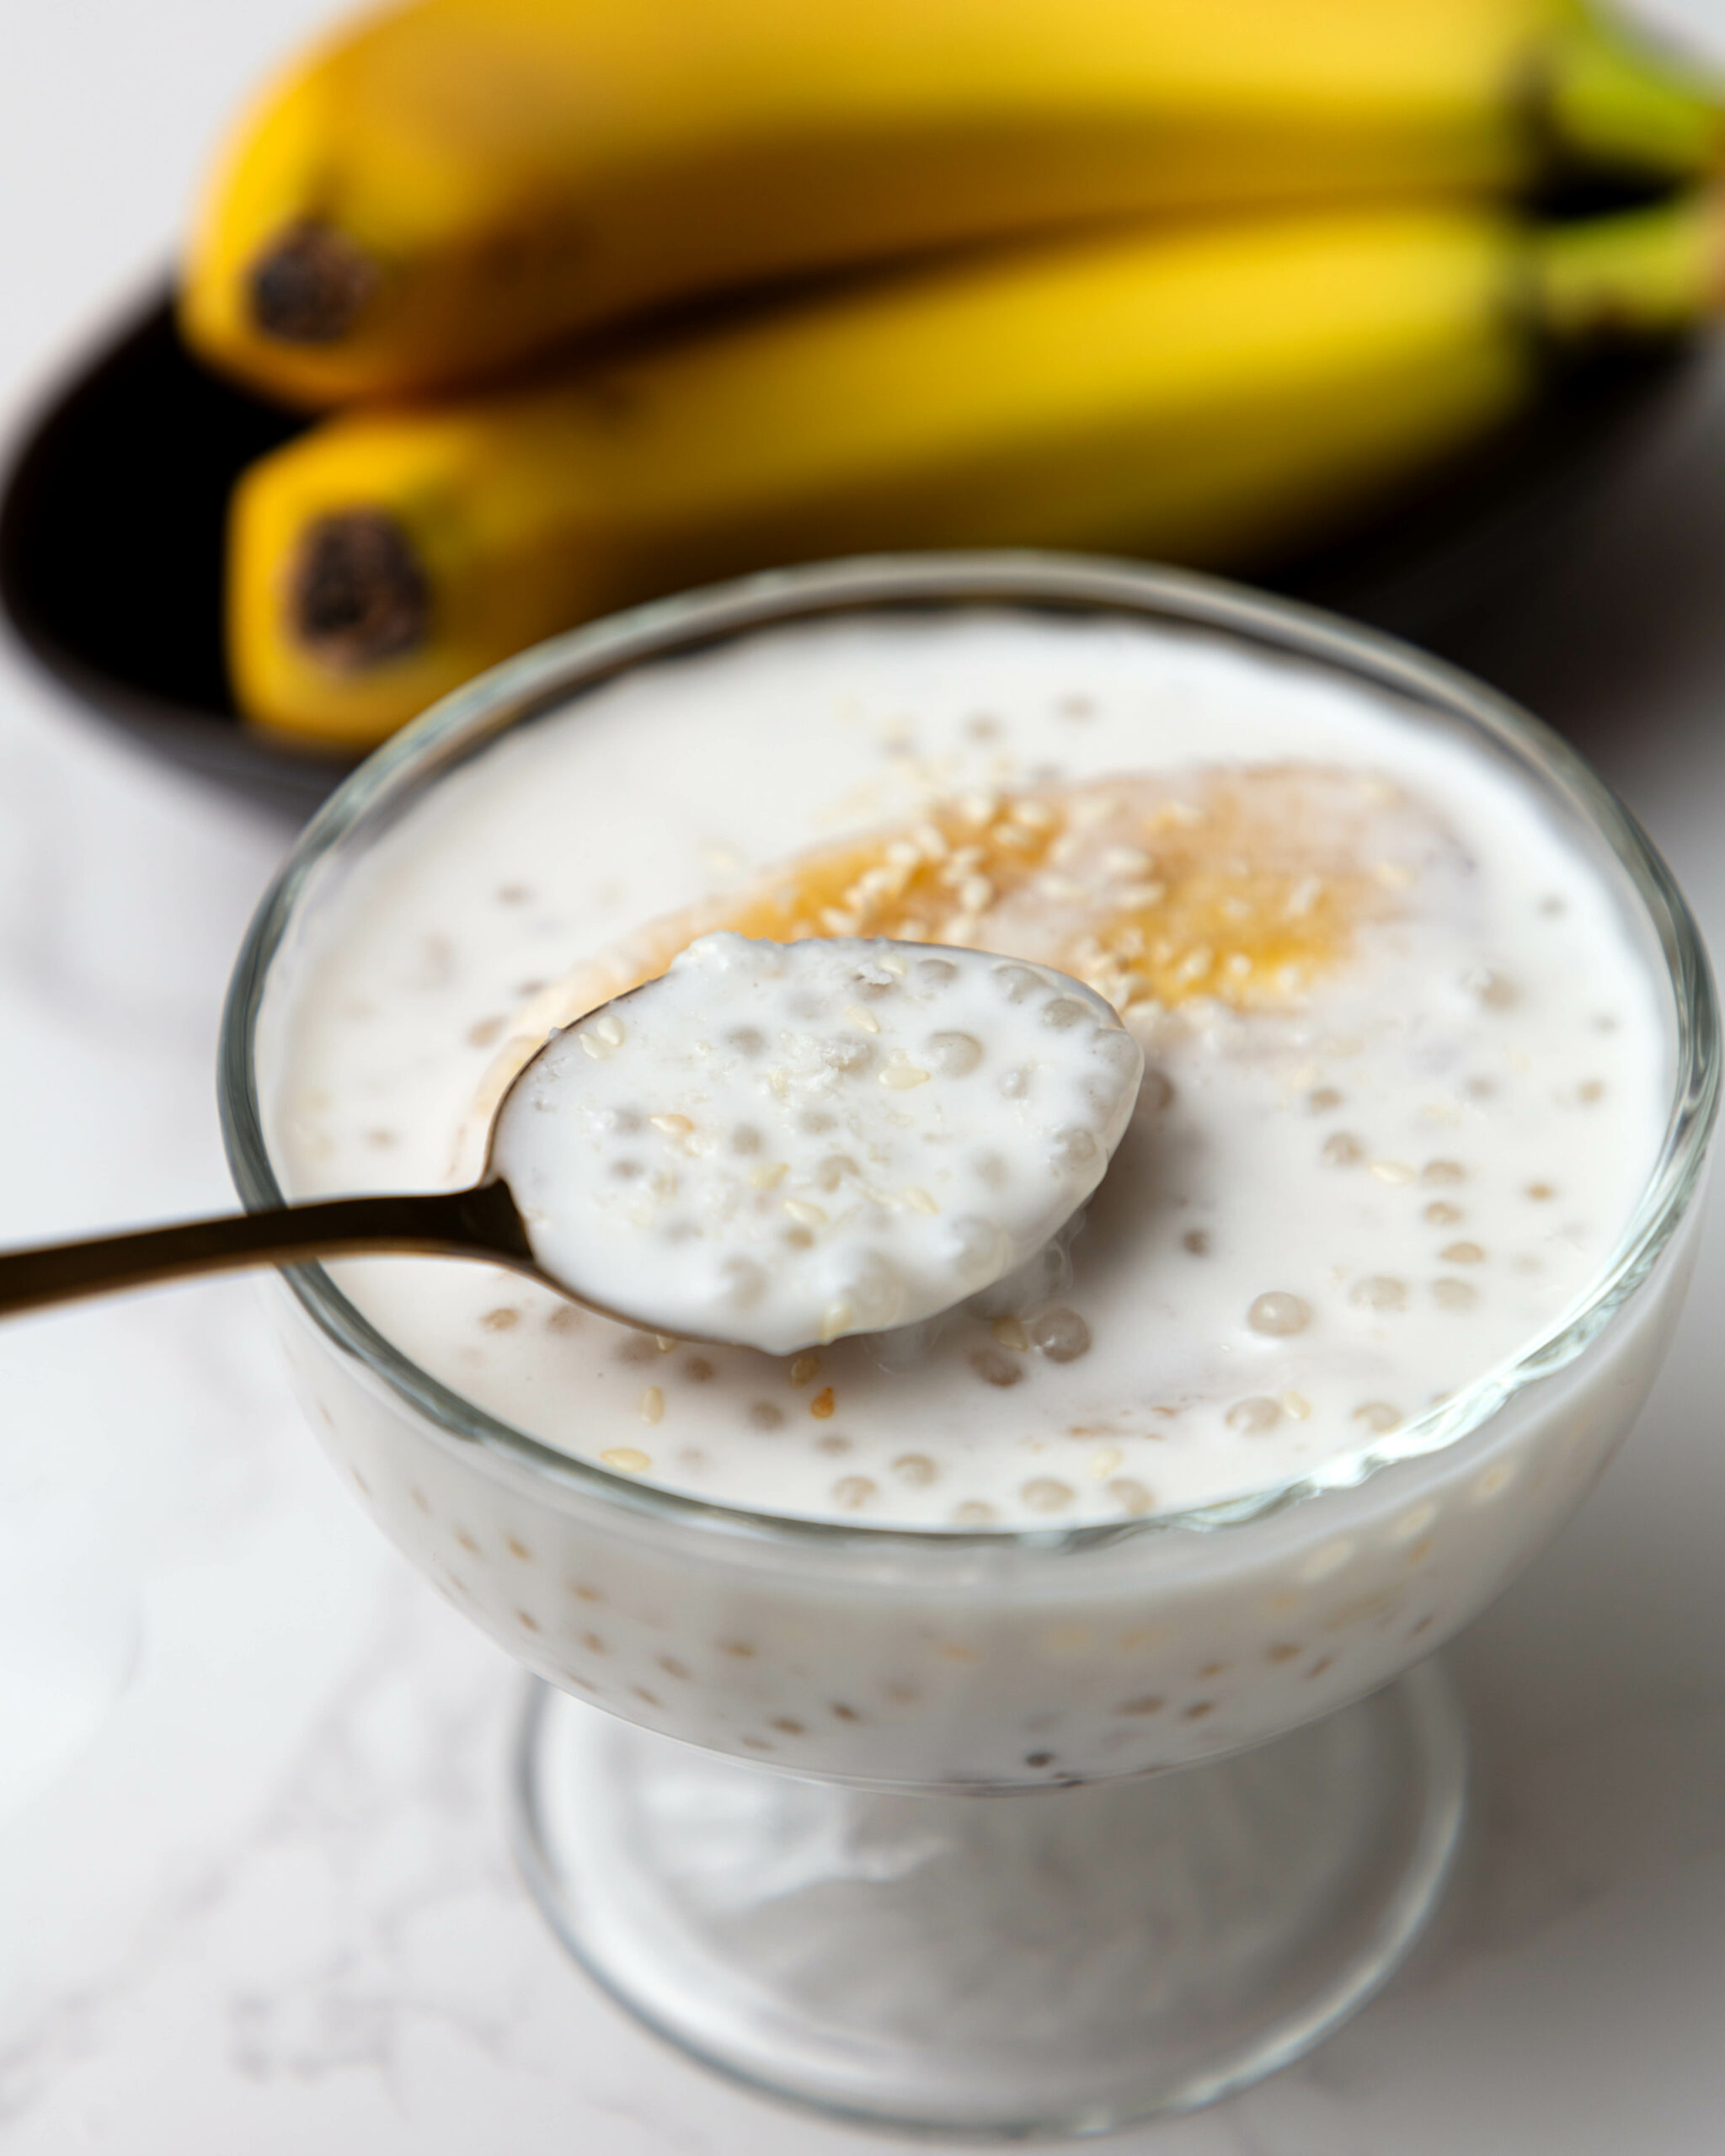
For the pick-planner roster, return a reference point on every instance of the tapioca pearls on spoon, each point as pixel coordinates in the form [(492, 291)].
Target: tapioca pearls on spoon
[(776, 1145), (770, 1146)]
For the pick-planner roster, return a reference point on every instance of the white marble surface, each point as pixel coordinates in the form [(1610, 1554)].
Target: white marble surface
[(268, 1906)]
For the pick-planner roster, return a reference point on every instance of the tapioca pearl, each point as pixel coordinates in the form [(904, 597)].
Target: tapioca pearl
[(1393, 1173), (832, 1170), (1323, 1562), (1072, 1152), (1060, 1015), (1454, 1295), (816, 1121), (953, 1055), (1443, 1171), (974, 1511), (1462, 1254), (933, 974), (1495, 990), (996, 1366), (1379, 1417), (741, 1282), (1440, 1213), (1253, 1416), (1047, 1494), (1060, 1334), (1413, 1524), (852, 1491), (1009, 1332), (764, 1415), (1342, 1150), (915, 1469), (974, 1248), (992, 1170), (1156, 1090), (1017, 983), (1018, 1083), (1379, 1291), (1278, 1315), (744, 1139), (1495, 1480), (1134, 1497)]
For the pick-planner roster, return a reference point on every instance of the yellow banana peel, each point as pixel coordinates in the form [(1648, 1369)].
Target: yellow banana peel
[(446, 188), (1206, 394)]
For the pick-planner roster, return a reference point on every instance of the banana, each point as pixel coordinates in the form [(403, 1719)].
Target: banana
[(453, 186), (1208, 395)]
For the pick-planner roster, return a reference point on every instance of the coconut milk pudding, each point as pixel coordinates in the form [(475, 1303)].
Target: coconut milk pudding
[(1406, 1077)]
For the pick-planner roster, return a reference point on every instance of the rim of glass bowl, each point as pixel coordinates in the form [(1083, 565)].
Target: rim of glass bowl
[(550, 674)]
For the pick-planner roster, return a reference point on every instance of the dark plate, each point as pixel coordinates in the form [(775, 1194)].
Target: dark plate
[(111, 535)]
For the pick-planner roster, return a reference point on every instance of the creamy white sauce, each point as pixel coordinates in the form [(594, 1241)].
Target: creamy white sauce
[(776, 1145), (1320, 1221)]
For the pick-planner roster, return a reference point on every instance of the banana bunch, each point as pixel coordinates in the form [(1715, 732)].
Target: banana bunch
[(617, 296)]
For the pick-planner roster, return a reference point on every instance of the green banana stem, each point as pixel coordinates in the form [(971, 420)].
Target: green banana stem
[(1642, 274), (1612, 98)]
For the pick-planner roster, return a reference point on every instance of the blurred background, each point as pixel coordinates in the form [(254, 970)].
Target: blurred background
[(253, 1889)]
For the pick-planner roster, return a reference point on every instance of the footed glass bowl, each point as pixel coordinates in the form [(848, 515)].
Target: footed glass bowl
[(748, 1777)]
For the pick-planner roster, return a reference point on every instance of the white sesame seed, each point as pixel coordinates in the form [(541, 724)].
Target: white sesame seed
[(650, 1407)]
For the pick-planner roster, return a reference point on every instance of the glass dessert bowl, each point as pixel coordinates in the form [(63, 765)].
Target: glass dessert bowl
[(748, 1777)]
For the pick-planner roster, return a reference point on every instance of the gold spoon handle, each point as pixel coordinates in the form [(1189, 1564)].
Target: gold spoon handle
[(480, 1223)]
